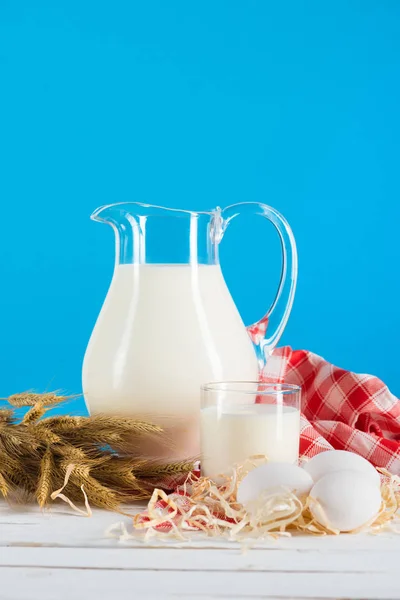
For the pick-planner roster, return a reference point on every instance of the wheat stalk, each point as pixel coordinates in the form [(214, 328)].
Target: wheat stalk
[(34, 414), (4, 487), (45, 483), (36, 453), (155, 470), (31, 398), (62, 424), (6, 416)]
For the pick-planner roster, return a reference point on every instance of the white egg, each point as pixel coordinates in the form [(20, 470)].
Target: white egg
[(340, 460), (345, 500), (273, 475)]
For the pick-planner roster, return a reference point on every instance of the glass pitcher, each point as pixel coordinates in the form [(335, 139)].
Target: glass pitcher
[(169, 323)]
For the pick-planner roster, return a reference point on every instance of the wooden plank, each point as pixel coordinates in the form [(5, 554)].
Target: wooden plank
[(77, 534), (61, 527), (86, 584), (268, 560)]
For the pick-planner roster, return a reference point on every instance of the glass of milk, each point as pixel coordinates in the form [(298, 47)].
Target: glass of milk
[(240, 419)]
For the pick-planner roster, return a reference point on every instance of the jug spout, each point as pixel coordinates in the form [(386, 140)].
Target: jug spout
[(116, 213), (102, 214)]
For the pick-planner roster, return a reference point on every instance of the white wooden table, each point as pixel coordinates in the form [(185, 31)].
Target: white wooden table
[(58, 554)]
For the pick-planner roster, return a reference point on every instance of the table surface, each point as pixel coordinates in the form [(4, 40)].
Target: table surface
[(58, 554)]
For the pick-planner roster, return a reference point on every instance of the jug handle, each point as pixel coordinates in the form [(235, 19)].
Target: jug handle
[(279, 311)]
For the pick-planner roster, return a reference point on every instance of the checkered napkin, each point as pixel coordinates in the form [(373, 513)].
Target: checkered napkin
[(341, 410)]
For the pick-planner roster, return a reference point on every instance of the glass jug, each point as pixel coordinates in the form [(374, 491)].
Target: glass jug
[(169, 323)]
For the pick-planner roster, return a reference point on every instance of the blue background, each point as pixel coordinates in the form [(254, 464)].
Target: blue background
[(195, 104)]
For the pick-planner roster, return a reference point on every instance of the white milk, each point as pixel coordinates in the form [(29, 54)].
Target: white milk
[(232, 434), (162, 332)]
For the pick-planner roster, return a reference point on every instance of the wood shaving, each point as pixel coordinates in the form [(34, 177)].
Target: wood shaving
[(59, 494), (201, 505)]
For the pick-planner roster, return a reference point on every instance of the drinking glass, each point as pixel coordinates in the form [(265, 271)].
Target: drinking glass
[(241, 419)]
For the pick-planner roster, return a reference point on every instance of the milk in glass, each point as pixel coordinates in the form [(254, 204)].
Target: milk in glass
[(230, 434)]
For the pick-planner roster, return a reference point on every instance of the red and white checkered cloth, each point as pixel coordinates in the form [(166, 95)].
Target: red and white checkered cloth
[(341, 410)]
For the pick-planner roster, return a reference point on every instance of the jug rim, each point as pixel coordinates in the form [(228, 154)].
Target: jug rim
[(151, 207)]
